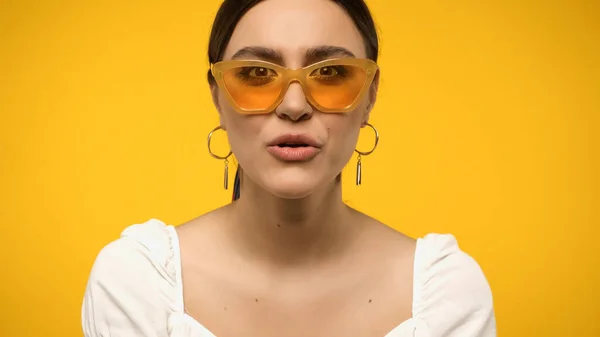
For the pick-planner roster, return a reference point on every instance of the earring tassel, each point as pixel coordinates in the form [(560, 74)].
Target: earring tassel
[(226, 177), (358, 171)]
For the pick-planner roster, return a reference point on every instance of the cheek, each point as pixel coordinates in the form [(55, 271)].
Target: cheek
[(343, 136), (243, 132)]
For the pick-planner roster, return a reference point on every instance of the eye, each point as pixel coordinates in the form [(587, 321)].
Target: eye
[(261, 72), (329, 72), (256, 76), (326, 71)]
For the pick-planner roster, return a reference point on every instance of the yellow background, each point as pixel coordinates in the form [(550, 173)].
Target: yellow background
[(488, 114)]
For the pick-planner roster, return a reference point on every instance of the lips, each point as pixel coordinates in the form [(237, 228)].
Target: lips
[(296, 140), (294, 147)]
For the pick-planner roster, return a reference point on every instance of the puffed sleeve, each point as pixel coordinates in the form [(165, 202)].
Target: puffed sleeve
[(452, 295), (131, 290)]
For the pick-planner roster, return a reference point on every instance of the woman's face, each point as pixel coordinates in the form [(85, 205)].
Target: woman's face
[(289, 29)]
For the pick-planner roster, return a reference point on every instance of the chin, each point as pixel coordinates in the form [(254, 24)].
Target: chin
[(291, 185)]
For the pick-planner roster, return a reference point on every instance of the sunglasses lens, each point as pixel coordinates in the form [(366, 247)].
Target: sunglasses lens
[(336, 87), (253, 88)]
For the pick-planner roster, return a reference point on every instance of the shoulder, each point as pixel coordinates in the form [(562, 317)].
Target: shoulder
[(133, 283), (141, 248), (451, 293)]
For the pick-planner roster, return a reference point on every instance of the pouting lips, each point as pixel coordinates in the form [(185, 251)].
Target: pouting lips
[(294, 141), (293, 151), (292, 145)]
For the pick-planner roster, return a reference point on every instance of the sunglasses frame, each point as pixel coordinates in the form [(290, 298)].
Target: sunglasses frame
[(370, 67)]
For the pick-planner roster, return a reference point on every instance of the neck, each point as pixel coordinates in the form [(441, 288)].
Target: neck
[(291, 232)]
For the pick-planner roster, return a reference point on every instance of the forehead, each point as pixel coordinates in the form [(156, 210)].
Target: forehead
[(293, 26)]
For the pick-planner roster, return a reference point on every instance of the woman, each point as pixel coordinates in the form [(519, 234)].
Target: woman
[(293, 82)]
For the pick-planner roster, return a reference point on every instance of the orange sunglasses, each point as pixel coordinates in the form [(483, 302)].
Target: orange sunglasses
[(258, 87)]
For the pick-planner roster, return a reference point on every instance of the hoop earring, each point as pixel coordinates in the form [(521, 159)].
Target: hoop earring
[(226, 175), (360, 154)]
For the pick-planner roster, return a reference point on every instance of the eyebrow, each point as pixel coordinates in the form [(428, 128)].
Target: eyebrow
[(321, 53), (262, 53), (312, 55)]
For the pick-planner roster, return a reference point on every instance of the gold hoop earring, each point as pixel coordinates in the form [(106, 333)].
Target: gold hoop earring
[(360, 154), (226, 175)]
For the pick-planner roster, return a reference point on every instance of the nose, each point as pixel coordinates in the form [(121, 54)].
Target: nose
[(294, 106)]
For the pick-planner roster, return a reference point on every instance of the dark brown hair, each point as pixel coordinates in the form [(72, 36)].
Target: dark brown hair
[(231, 11)]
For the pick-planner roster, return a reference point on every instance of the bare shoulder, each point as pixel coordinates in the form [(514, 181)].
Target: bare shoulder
[(202, 236), (387, 239), (386, 256), (202, 225), (386, 248), (193, 224)]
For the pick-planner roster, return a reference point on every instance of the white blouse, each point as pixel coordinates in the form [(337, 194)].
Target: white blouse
[(135, 290)]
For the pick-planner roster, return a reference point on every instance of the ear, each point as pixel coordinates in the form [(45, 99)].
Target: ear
[(372, 98), (214, 92)]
